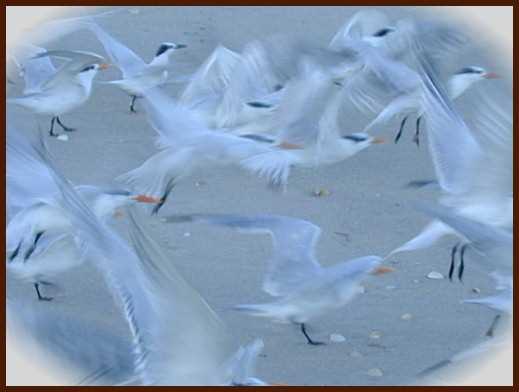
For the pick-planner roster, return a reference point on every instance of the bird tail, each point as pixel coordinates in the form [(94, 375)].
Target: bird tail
[(272, 165)]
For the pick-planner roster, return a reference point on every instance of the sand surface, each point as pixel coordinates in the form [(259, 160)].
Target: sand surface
[(368, 205)]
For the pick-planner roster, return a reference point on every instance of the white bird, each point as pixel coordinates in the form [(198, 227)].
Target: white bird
[(137, 76), (305, 289), (177, 339), (306, 140), (475, 177), (381, 47), (232, 90), (59, 91), (493, 252), (39, 243)]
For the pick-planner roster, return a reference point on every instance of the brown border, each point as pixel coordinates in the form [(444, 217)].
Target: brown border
[(273, 3)]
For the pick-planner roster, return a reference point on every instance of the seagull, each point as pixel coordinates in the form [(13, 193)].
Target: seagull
[(187, 144), (304, 289), (51, 91), (39, 242), (176, 338), (475, 176)]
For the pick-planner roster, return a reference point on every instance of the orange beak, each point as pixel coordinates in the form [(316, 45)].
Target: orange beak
[(104, 66), (377, 140), (491, 75), (382, 269), (289, 146), (146, 199)]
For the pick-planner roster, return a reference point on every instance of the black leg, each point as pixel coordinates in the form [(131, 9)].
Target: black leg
[(453, 259), (41, 297), (308, 339), (13, 255), (33, 246), (461, 268), (132, 104), (65, 128), (399, 134), (416, 137), (169, 188), (490, 332), (51, 131)]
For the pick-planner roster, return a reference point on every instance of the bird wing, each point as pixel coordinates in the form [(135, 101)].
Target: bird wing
[(76, 61), (173, 122), (211, 78), (293, 260), (304, 102), (36, 70), (362, 23), (448, 134), (28, 178), (177, 339), (120, 55)]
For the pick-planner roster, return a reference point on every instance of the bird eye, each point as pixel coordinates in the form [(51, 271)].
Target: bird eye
[(383, 32), (89, 68), (355, 138)]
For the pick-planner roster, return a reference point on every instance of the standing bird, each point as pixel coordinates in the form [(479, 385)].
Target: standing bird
[(305, 289), (54, 92), (39, 243), (138, 76)]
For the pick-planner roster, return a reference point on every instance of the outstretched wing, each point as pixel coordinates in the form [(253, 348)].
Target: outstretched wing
[(294, 240)]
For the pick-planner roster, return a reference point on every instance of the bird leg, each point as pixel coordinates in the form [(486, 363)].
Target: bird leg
[(13, 255), (65, 128), (399, 134), (51, 131), (309, 340), (490, 332), (461, 267), (40, 297), (169, 188), (416, 137), (453, 259), (132, 104), (33, 246)]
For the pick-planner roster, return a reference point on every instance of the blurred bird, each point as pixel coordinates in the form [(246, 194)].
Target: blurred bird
[(177, 339), (55, 92), (138, 76), (39, 242), (477, 183), (305, 289)]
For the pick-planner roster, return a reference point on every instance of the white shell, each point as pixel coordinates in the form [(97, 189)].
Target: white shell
[(434, 275)]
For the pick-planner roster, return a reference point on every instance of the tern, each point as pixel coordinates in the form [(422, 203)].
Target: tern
[(305, 290), (40, 243), (138, 76), (477, 184), (54, 92), (176, 338), (309, 138)]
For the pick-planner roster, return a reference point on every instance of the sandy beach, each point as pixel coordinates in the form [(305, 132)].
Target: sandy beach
[(402, 324)]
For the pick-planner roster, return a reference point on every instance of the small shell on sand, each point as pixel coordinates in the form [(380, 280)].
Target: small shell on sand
[(375, 372), (434, 275), (63, 138), (406, 316), (337, 338), (375, 335), (321, 192)]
